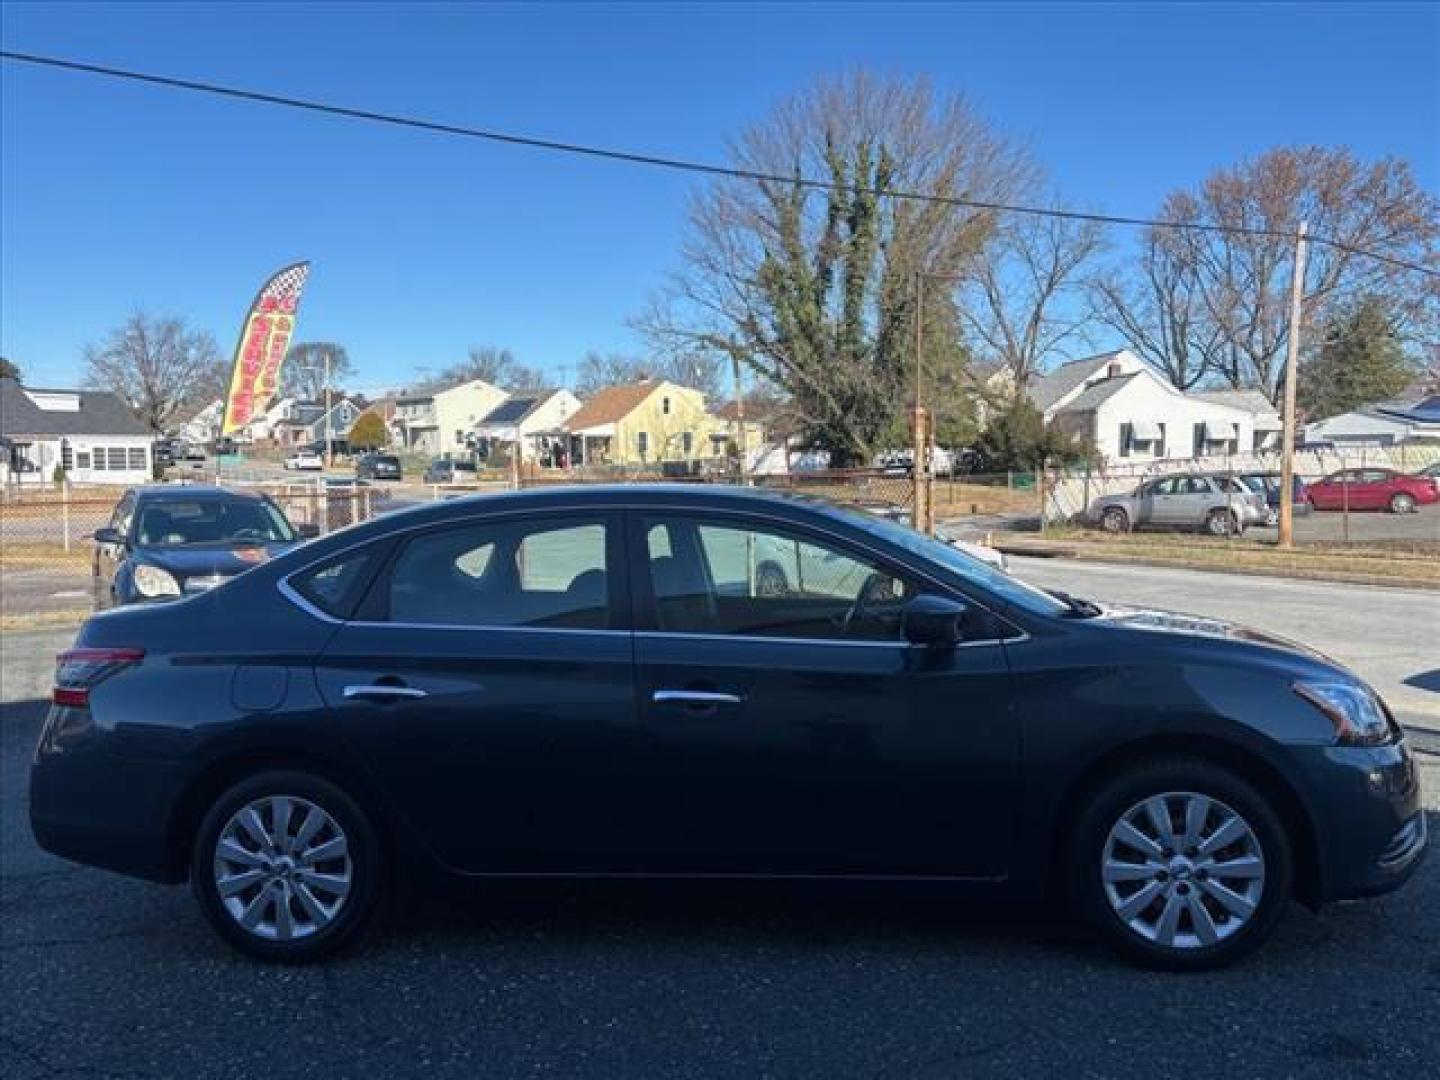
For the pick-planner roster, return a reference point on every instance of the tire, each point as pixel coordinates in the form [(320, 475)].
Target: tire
[(1115, 520), (336, 916), (1222, 523), (770, 580), (1402, 502), (1184, 882)]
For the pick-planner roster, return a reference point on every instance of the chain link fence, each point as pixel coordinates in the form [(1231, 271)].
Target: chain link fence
[(1069, 491)]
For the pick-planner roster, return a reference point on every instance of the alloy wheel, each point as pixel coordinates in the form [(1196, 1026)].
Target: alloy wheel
[(283, 868), (1183, 870)]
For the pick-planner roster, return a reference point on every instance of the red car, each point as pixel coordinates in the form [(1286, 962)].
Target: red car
[(1373, 489)]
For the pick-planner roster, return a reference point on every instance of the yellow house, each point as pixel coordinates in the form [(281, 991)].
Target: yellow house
[(641, 423)]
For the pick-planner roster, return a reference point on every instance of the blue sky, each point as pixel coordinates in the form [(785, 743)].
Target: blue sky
[(115, 196)]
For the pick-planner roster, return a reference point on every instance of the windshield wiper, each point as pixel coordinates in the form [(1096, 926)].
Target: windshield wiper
[(1079, 606)]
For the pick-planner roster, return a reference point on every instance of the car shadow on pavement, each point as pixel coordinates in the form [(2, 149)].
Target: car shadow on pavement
[(759, 913)]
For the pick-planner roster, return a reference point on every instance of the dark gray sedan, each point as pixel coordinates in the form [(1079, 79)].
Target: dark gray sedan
[(600, 682)]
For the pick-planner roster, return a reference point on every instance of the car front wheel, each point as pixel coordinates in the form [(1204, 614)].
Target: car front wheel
[(1402, 503), (286, 867), (1115, 520), (1181, 865)]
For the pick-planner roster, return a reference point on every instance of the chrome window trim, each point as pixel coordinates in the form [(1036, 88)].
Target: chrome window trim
[(492, 627), (294, 596)]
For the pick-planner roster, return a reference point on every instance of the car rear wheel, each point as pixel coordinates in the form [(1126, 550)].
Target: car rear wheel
[(1222, 523), (1181, 865), (1115, 520), (286, 867), (1402, 502)]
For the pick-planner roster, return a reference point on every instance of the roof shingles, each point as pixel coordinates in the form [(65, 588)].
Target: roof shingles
[(611, 404), (100, 413)]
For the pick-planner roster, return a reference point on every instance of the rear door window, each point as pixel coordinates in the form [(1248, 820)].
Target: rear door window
[(547, 573)]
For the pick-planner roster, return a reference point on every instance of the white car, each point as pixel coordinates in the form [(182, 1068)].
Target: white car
[(983, 552), (304, 461)]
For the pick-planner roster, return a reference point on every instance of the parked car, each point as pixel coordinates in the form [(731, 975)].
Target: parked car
[(377, 467), (450, 471), (1215, 503), (1432, 471), (192, 460), (1267, 486), (594, 682), (164, 542), (1373, 489), (304, 461)]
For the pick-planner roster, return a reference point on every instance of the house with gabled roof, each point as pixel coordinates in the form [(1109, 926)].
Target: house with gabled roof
[(93, 435), (648, 422), (536, 421)]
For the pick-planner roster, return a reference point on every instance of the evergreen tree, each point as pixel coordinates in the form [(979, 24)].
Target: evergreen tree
[(1360, 361)]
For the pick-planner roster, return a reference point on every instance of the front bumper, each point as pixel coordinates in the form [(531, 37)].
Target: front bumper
[(1369, 817)]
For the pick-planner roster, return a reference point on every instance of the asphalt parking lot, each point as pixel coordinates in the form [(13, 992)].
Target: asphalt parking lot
[(104, 976)]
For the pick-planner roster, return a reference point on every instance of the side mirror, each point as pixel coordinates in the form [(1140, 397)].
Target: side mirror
[(108, 535), (933, 621), (308, 531)]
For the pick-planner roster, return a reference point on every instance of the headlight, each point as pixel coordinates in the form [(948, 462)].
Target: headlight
[(152, 581), (1359, 716)]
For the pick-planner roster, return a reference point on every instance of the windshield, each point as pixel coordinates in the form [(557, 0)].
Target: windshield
[(211, 521), (978, 573)]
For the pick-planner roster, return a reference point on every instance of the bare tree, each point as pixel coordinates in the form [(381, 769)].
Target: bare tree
[(814, 289), (1229, 290), (302, 375), (155, 364), (1156, 309), (495, 365), (699, 370), (1024, 298)]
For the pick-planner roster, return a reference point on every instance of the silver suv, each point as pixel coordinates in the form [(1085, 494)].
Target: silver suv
[(1215, 503)]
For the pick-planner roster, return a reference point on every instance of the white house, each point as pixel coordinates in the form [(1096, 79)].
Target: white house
[(536, 421), (1129, 412), (204, 427), (441, 422), (1387, 424), (91, 434)]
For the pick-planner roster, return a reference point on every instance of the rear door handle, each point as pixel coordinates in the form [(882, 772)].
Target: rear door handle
[(695, 697), (382, 691)]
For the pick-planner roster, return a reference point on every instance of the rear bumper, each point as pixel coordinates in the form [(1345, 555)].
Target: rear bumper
[(107, 810)]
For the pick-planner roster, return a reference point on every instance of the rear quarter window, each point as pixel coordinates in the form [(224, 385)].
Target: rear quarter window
[(335, 586)]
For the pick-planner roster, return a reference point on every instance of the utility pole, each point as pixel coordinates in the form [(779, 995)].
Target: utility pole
[(739, 415), (922, 516), (329, 441), (1287, 436)]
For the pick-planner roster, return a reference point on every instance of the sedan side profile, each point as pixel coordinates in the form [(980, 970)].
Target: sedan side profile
[(1373, 489), (605, 681)]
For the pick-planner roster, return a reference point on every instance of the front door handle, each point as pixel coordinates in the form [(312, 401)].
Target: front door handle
[(695, 697), (380, 690)]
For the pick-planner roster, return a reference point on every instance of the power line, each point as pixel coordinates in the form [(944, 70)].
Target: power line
[(677, 164)]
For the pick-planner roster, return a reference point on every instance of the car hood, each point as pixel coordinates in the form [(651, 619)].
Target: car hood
[(1202, 626), (219, 560)]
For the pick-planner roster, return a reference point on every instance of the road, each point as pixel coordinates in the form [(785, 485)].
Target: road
[(1389, 636), (104, 976)]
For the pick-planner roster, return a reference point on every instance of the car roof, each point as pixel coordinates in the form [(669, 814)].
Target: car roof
[(191, 492)]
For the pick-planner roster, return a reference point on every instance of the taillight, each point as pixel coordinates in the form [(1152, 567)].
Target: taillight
[(78, 671)]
